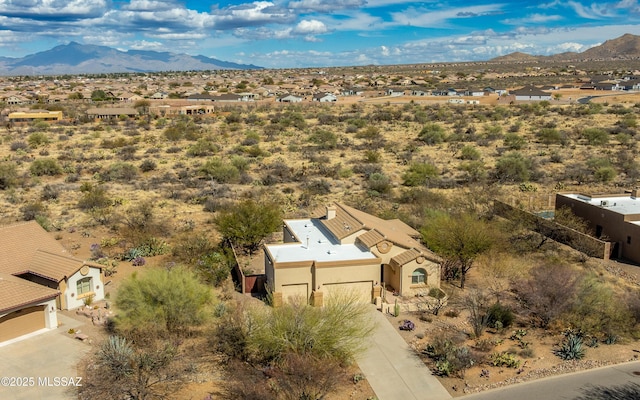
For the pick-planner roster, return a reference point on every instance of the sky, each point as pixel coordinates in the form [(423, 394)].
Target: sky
[(319, 33)]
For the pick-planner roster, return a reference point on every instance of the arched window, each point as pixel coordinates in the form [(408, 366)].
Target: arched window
[(419, 276), (83, 285)]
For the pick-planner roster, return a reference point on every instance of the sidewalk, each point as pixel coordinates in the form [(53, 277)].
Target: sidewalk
[(393, 369)]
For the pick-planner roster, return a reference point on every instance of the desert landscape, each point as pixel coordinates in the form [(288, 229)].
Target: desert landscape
[(141, 170)]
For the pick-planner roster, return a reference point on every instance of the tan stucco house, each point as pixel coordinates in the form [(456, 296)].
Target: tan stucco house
[(37, 276), (343, 249)]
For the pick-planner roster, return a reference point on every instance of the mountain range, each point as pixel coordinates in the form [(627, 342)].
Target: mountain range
[(76, 58), (626, 47)]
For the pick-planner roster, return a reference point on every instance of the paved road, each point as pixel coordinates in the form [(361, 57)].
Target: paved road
[(393, 369), (609, 383)]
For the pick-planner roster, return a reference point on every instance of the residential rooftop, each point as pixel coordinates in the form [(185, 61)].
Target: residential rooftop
[(624, 204), (316, 244)]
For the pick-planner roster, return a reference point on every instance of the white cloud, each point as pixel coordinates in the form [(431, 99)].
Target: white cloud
[(325, 5), (306, 27), (532, 19)]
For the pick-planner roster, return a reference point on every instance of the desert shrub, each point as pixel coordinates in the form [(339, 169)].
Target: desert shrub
[(419, 174), (432, 134), (203, 147), (148, 165), (120, 171), (372, 156), (513, 141), (50, 192), (189, 248), (500, 316), (605, 174), (513, 167), (324, 139), (379, 183), (8, 175), (370, 133), (549, 292), (45, 166), (469, 153), (318, 187), (214, 267), (450, 359), (598, 311), (94, 197), (38, 139), (504, 359), (19, 145), (220, 171), (31, 211), (596, 136), (475, 170), (549, 136)]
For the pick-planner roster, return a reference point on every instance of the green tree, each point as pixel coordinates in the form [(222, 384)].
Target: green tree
[(333, 332), (162, 300), (247, 223), (460, 238), (99, 95)]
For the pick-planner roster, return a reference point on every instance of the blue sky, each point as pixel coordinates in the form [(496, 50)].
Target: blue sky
[(310, 33)]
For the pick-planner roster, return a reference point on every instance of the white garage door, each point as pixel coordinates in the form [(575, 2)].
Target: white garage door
[(298, 292), (21, 322), (361, 291)]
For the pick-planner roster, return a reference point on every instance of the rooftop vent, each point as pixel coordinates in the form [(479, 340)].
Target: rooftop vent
[(604, 203)]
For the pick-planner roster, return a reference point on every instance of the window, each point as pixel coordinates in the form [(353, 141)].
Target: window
[(83, 286), (418, 276), (628, 239)]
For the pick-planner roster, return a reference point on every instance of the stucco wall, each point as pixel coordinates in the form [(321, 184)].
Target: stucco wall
[(97, 287)]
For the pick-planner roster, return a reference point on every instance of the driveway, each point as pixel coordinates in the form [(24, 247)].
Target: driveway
[(45, 357), (393, 369)]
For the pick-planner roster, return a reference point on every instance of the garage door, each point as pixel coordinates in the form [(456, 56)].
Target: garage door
[(360, 291), (297, 292), (21, 322)]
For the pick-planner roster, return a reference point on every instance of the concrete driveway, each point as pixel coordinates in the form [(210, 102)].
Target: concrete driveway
[(47, 358), (393, 369)]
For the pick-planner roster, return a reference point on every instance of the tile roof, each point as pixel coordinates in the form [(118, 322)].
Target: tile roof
[(26, 247), (371, 238), (19, 242), (406, 256), (17, 292)]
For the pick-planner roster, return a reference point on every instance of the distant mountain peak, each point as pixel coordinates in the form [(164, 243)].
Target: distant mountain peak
[(626, 46), (77, 58)]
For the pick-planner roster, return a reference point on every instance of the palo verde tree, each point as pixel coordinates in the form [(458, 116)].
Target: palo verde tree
[(459, 238), (162, 300), (245, 224)]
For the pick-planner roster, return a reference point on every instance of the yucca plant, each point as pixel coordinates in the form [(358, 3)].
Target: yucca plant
[(572, 348)]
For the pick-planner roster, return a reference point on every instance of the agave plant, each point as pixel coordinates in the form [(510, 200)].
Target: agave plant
[(572, 348)]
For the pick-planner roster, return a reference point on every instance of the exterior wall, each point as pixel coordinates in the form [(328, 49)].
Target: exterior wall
[(292, 276), (392, 276), (351, 239), (50, 315), (72, 300), (613, 225), (431, 280)]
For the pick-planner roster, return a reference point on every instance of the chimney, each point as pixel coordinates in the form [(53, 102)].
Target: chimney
[(634, 193), (331, 212)]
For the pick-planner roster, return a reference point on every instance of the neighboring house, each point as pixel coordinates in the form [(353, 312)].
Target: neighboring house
[(38, 275), (612, 217), (35, 116), (530, 93), (290, 99), (344, 249), (325, 97), (111, 112)]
